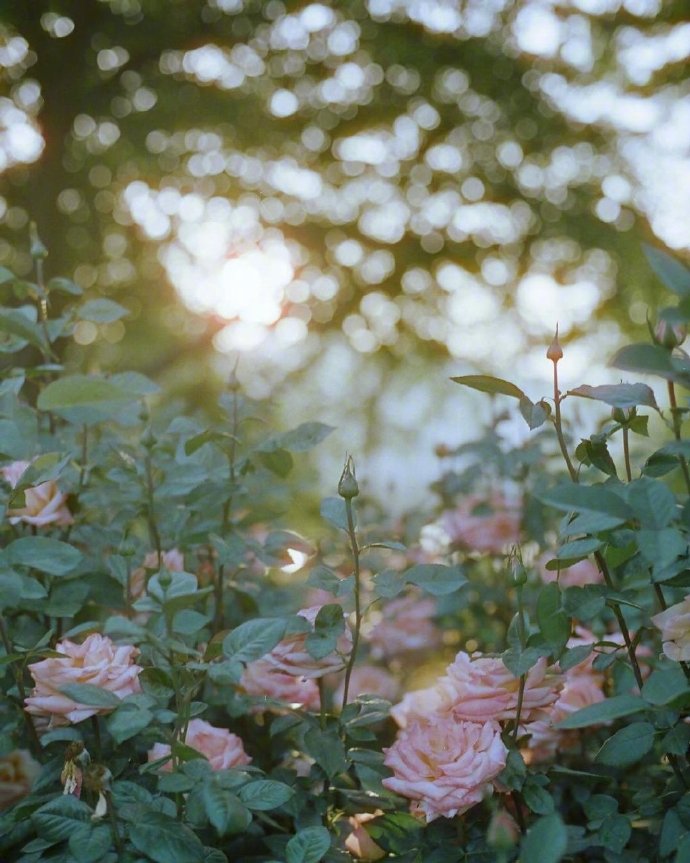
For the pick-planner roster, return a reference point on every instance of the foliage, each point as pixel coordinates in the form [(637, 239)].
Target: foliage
[(163, 545)]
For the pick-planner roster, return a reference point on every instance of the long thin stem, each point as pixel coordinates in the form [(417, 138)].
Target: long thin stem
[(559, 425), (354, 546), (150, 506), (676, 421), (97, 737), (34, 742), (626, 453)]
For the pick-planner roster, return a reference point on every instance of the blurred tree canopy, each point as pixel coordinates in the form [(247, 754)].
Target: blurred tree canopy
[(448, 176)]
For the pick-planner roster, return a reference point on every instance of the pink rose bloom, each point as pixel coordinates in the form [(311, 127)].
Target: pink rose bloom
[(358, 842), (368, 680), (291, 655), (172, 560), (18, 770), (486, 525), (262, 680), (444, 765), (424, 703), (674, 624), (406, 625), (43, 504), (485, 689), (221, 747), (97, 662), (578, 575)]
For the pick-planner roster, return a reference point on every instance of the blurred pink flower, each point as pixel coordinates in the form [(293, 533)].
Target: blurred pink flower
[(445, 765), (406, 625), (43, 504), (291, 655), (97, 662), (423, 703), (262, 680), (578, 575), (485, 689), (674, 624), (484, 524), (222, 748), (358, 842), (18, 770), (368, 680)]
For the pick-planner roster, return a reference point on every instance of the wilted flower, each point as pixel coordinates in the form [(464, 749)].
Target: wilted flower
[(406, 625), (292, 657), (446, 765), (222, 748), (484, 524), (97, 662), (43, 504), (674, 624), (358, 842), (18, 770), (262, 679)]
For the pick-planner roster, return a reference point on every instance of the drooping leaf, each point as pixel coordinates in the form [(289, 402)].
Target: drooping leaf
[(651, 360), (618, 395), (488, 384), (333, 509), (674, 275), (609, 509)]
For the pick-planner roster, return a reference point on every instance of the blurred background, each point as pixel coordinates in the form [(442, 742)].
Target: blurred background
[(350, 202)]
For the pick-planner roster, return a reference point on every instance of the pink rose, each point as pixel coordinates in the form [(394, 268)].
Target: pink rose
[(97, 662), (221, 747), (368, 680), (423, 703), (485, 689), (18, 770), (480, 524), (444, 765), (358, 842), (406, 625), (262, 680), (291, 655), (43, 504), (674, 624), (578, 575)]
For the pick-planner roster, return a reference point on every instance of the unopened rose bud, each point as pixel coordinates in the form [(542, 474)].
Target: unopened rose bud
[(348, 487), (555, 351), (164, 578), (37, 249), (623, 415), (519, 574), (669, 335), (442, 450), (148, 439), (503, 832)]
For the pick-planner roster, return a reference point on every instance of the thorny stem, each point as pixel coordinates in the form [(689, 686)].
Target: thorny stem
[(559, 426), (675, 417), (626, 453), (354, 545), (34, 742)]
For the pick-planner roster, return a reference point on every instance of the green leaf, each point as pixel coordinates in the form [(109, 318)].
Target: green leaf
[(435, 578), (614, 833), (278, 461), (388, 583), (15, 323), (659, 548), (650, 360), (265, 794), (665, 685), (519, 660), (224, 810), (90, 695), (328, 627), (254, 638), (164, 839), (609, 509), (546, 840), (127, 721), (584, 603), (572, 552), (85, 400), (604, 711), (574, 656), (554, 623), (677, 740), (653, 502), (535, 415), (308, 846), (301, 439), (627, 746), (327, 749), (537, 798), (674, 275), (618, 395), (64, 286), (488, 384), (91, 843), (333, 509), (46, 555), (59, 818), (102, 311)]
